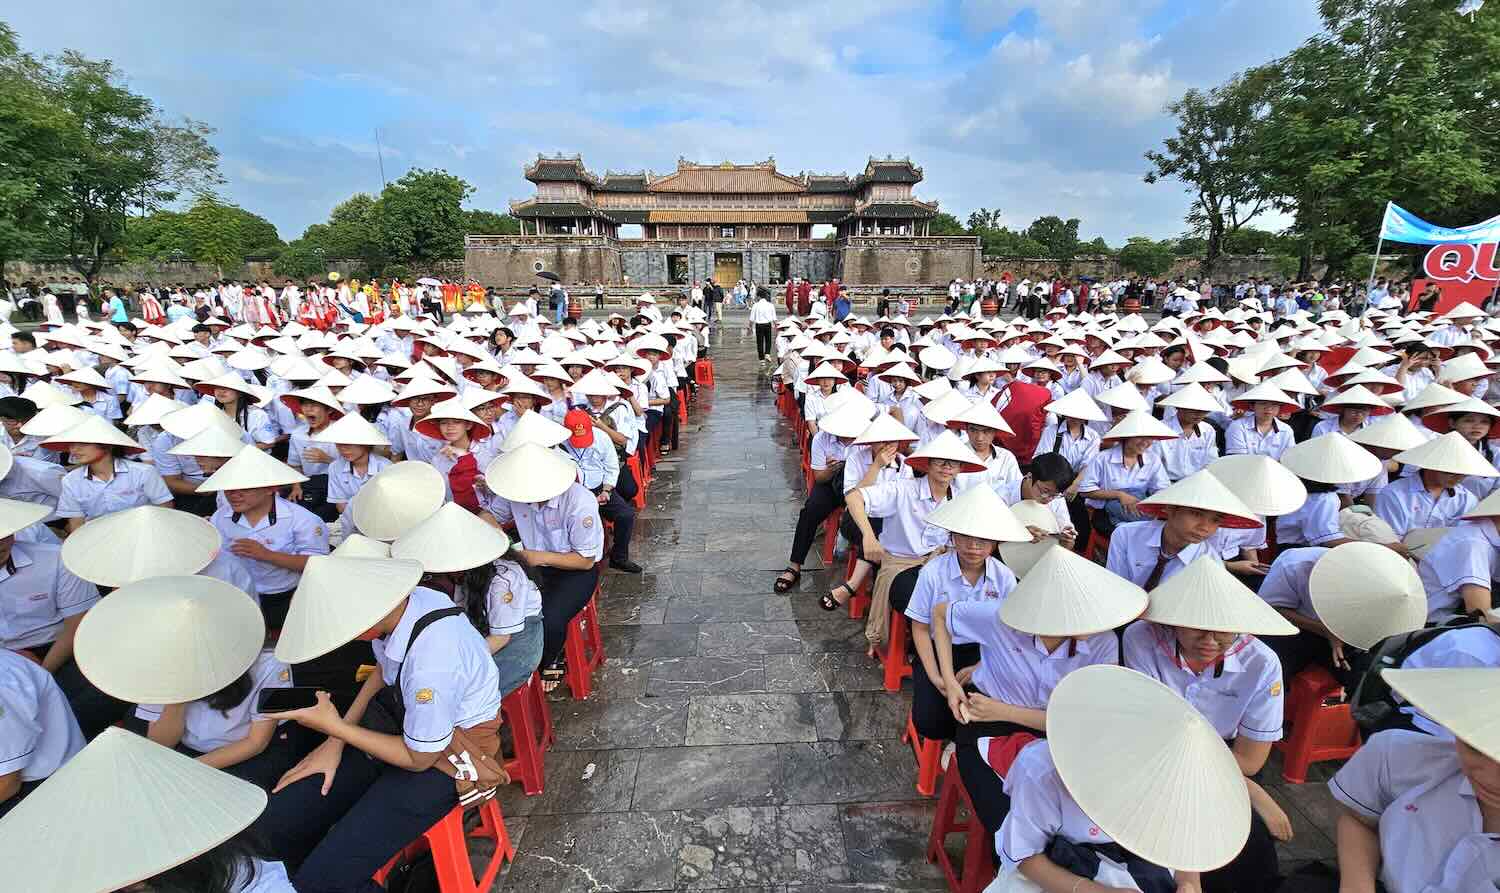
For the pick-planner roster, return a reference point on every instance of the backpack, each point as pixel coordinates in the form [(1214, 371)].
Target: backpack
[(1371, 702)]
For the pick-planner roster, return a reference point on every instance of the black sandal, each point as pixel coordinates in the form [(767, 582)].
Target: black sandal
[(784, 584), (829, 603), (552, 677)]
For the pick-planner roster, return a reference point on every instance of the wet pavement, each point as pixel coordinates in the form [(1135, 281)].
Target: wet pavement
[(737, 739)]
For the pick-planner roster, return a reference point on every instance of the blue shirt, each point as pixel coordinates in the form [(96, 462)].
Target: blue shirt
[(117, 310)]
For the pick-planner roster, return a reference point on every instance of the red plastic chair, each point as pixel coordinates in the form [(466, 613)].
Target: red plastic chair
[(641, 480), (892, 654), (929, 754), (583, 649), (979, 846), (529, 730), (1322, 726), (703, 373), (449, 844), (859, 602), (831, 535)]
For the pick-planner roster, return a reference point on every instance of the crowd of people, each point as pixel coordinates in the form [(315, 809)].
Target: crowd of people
[(275, 580), (1103, 533)]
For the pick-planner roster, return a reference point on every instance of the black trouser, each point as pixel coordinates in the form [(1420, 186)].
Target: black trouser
[(985, 787), (1298, 652), (821, 502), (763, 339), (288, 745), (273, 607), (598, 302), (670, 422), (621, 514), (929, 707), (15, 799), (95, 710), (1078, 513), (1254, 870), (201, 504), (627, 486), (856, 540), (564, 594), (315, 498), (902, 588)]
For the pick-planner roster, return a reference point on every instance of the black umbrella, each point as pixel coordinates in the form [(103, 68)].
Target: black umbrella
[(548, 274)]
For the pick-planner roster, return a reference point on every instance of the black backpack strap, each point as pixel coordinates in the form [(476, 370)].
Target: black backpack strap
[(422, 623)]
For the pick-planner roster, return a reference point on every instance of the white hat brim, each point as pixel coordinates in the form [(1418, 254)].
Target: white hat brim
[(123, 547), (339, 598)]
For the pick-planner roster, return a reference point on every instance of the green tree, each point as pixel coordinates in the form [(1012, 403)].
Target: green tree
[(945, 224), (300, 260), (1147, 257), (1216, 154), (1058, 238), (157, 236), (124, 156), (35, 162), (214, 228), (1097, 246), (490, 223), (984, 218), (421, 218)]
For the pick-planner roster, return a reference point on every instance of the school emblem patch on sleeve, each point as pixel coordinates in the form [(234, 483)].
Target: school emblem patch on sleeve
[(286, 676), (424, 696), (588, 522), (1276, 689), (317, 531), (508, 597)]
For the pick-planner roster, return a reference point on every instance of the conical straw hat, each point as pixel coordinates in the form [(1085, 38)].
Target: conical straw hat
[(357, 545), (1451, 454), (16, 515), (983, 414), (53, 420), (1440, 418), (420, 386), (1488, 507), (530, 473), (185, 423), (398, 498), (45, 395), (1206, 596), (1065, 594), (941, 409), (1433, 395), (885, 429), (367, 390), (1463, 368), (339, 598), (1364, 592), (1139, 423), (146, 541), (93, 430), (1205, 491), (353, 430), (533, 427), (936, 357), (1077, 404), (826, 371), (1358, 395), (980, 513), (946, 446), (1021, 557), (1191, 396), (1261, 483), (1460, 700), (1264, 393), (152, 410), (213, 442), (1331, 459), (452, 539), (251, 468), (1124, 396), (1394, 432), (847, 421), (1166, 787), (122, 810), (189, 637)]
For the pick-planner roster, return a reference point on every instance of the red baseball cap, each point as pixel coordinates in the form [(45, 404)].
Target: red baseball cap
[(582, 426)]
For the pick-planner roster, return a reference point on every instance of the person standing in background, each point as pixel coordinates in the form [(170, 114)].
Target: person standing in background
[(763, 317)]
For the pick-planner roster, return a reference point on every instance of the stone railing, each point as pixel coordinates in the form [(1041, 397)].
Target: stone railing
[(910, 242), (550, 241)]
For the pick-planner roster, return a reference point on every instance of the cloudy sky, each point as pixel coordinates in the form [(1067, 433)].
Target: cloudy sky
[(1034, 108)]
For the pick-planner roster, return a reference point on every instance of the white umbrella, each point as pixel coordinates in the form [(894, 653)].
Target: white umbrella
[(428, 280)]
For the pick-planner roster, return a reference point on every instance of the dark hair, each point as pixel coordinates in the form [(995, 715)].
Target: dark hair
[(200, 327), (1219, 364), (475, 586), (1052, 468), (18, 409), (887, 332), (231, 695), (220, 870), (1318, 486), (24, 336), (1175, 348)]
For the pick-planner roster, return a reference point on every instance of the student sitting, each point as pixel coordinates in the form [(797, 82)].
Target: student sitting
[(1125, 472), (38, 732), (1190, 512), (1434, 496), (1322, 463), (103, 482), (1457, 573)]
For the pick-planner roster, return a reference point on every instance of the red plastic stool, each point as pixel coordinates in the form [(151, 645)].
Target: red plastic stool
[(979, 845), (929, 754), (859, 602), (893, 655), (681, 410), (641, 481), (449, 845), (583, 650), (703, 373), (1319, 730), (529, 733), (831, 535)]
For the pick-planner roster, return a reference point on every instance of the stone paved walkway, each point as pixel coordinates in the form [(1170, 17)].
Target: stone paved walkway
[(737, 739)]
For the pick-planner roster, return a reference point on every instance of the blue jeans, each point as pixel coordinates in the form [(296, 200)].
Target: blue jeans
[(562, 310), (521, 656)]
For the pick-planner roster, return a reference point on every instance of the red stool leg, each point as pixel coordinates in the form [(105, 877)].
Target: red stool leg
[(578, 676), (450, 854), (528, 737), (893, 657), (859, 602), (831, 535), (641, 481), (929, 752)]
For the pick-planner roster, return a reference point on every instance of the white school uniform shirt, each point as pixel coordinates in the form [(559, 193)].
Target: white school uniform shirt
[(1107, 471), (826, 450), (416, 446), (1406, 505), (35, 481), (598, 466), (999, 472), (306, 440), (134, 484), (1189, 453), (1285, 585), (1077, 450), (1015, 667), (905, 505), (1372, 486), (1314, 523), (1470, 554), (288, 528), (260, 427), (1242, 437), (38, 595), (119, 381), (234, 570), (185, 467), (941, 580), (1241, 694), (814, 404), (1429, 823), (1134, 549), (857, 461), (1465, 648), (449, 679), (343, 482), (568, 522), (207, 729), (511, 600), (38, 732)]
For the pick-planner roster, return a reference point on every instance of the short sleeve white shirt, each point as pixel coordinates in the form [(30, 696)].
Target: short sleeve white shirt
[(1015, 667), (38, 732), (941, 580), (133, 484), (207, 729), (1241, 696), (38, 595), (287, 528)]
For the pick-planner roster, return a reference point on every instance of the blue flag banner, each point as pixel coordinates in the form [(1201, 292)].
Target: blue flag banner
[(1401, 225)]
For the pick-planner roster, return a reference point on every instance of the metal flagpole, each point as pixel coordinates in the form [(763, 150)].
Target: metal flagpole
[(1380, 244)]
